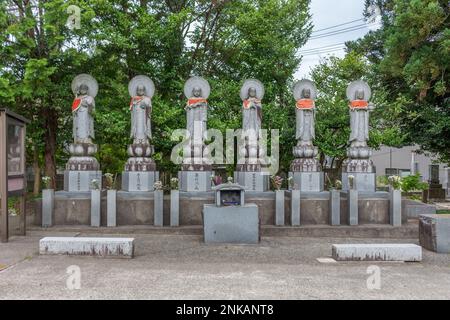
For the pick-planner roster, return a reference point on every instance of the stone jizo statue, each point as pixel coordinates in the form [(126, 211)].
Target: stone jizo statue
[(196, 90), (141, 115), (359, 93), (141, 89), (305, 118), (85, 88), (251, 106)]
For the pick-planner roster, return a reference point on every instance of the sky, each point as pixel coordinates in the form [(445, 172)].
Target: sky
[(325, 14)]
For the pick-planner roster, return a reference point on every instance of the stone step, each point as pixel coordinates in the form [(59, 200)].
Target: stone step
[(377, 252), (105, 247), (406, 231)]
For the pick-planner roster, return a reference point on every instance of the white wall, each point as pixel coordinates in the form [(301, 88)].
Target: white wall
[(388, 157)]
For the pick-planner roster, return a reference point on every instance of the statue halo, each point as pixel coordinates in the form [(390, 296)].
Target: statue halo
[(88, 80), (141, 80), (358, 85), (196, 81), (249, 83), (304, 84)]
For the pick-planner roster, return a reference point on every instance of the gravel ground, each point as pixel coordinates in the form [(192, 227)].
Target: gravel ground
[(182, 267)]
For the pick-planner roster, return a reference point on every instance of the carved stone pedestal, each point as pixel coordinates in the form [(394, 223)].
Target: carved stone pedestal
[(364, 173), (363, 181), (308, 181), (195, 181), (80, 181), (252, 181), (139, 181)]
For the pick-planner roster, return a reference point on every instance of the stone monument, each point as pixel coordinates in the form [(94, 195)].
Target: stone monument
[(196, 169), (249, 171), (82, 166), (140, 170), (358, 163), (305, 168), (436, 190)]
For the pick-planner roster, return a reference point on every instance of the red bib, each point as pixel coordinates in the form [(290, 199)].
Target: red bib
[(359, 104), (247, 103), (135, 99), (76, 104), (196, 100), (305, 104)]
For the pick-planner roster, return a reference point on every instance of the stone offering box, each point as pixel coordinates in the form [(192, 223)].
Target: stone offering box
[(230, 219), (229, 194)]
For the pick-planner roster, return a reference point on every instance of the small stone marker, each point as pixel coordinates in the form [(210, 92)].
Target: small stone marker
[(105, 247), (377, 252)]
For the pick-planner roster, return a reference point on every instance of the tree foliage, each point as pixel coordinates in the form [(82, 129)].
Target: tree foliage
[(410, 56)]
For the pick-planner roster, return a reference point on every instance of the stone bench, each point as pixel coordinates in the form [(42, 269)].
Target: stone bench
[(105, 247), (434, 232), (377, 252)]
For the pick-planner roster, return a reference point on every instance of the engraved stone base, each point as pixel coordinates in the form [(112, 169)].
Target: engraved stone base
[(140, 181), (80, 181), (363, 181), (252, 181), (195, 181), (308, 181)]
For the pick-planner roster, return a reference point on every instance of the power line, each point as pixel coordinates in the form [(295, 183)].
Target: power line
[(338, 25), (320, 48), (337, 32), (322, 52)]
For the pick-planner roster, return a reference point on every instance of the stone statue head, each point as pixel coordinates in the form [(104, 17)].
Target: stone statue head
[(359, 95), (251, 92), (306, 93), (197, 92), (83, 89), (140, 90)]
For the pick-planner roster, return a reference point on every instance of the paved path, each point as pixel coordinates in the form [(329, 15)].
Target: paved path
[(182, 267)]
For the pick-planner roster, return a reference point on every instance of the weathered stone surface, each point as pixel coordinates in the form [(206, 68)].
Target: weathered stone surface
[(111, 208), (335, 207), (105, 247), (136, 208), (279, 208), (308, 181), (95, 208), (252, 181), (195, 181), (48, 205), (352, 197), (365, 182), (158, 210), (80, 181), (413, 209), (377, 252), (434, 232), (235, 224), (395, 207), (139, 181), (174, 208), (295, 207)]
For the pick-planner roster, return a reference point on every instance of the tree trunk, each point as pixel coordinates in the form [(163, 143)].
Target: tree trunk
[(37, 172), (50, 146)]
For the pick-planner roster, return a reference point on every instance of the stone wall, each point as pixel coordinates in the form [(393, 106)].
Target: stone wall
[(137, 208)]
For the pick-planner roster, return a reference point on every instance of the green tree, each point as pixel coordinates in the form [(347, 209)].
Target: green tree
[(224, 41), (410, 56), (332, 77)]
